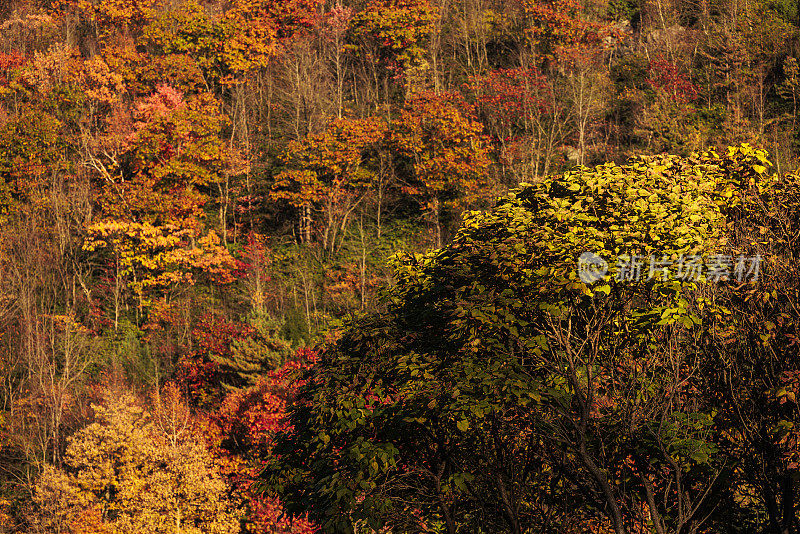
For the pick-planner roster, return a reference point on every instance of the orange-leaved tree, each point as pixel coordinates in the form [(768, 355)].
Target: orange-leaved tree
[(446, 150), (325, 174), (393, 33), (154, 185), (242, 36), (177, 155), (107, 18)]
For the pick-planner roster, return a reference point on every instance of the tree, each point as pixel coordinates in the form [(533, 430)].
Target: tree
[(498, 384), (244, 36), (134, 475), (326, 174), (106, 18), (227, 356), (526, 119), (249, 420), (755, 372), (175, 154), (153, 260), (446, 152), (558, 24), (31, 148), (574, 46), (668, 119), (393, 34)]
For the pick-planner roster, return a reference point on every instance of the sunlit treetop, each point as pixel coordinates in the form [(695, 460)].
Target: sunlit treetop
[(109, 16), (394, 32), (227, 43), (445, 143), (561, 28), (327, 164)]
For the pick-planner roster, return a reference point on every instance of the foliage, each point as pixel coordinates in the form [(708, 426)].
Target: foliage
[(446, 150), (396, 30), (149, 259), (521, 112), (560, 23), (246, 37), (326, 172), (107, 17), (176, 153), (30, 148), (496, 375), (191, 189), (758, 415), (129, 473), (249, 420), (229, 356)]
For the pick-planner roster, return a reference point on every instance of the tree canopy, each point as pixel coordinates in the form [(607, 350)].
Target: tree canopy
[(200, 195), (500, 391)]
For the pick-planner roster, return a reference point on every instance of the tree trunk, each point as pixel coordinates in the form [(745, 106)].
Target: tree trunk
[(437, 223)]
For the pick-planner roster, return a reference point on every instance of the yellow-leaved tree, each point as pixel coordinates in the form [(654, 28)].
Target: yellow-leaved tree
[(129, 472)]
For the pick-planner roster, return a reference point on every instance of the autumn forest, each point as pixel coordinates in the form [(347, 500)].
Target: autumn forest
[(300, 266)]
